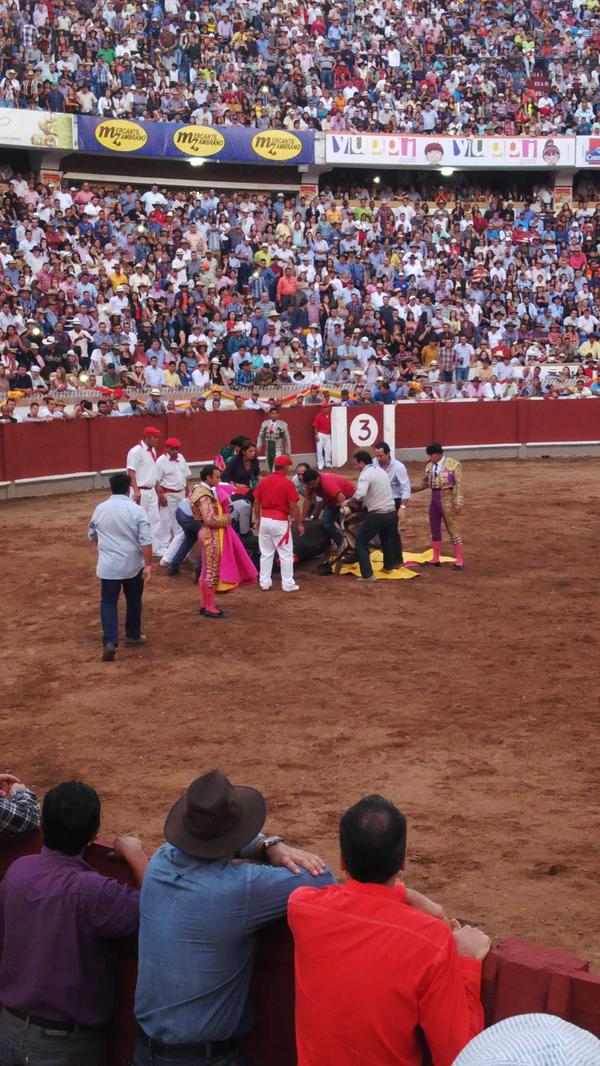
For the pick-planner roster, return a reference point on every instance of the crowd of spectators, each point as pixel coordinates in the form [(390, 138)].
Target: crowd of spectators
[(144, 291), (461, 67)]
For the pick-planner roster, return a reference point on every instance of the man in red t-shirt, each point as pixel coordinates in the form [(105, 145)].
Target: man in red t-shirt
[(373, 966), (275, 507), (322, 426), (334, 490)]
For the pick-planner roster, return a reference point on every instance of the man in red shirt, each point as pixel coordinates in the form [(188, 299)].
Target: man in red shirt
[(334, 490), (370, 969), (275, 507), (322, 426), (287, 287)]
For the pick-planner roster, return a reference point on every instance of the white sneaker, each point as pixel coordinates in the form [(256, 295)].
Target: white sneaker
[(265, 588), (292, 588)]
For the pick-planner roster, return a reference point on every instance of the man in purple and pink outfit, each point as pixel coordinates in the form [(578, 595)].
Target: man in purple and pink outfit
[(444, 477)]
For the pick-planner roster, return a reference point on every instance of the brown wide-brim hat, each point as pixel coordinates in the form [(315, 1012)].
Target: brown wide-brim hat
[(214, 818)]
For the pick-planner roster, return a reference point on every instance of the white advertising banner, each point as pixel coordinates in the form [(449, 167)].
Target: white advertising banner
[(408, 150), (588, 152), (36, 129)]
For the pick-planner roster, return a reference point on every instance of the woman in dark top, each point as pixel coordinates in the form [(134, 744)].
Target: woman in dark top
[(244, 468)]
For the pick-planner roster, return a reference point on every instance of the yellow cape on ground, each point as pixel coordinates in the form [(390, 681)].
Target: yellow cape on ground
[(403, 573)]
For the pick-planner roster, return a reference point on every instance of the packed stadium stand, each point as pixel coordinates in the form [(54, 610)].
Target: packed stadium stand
[(425, 68), (124, 288)]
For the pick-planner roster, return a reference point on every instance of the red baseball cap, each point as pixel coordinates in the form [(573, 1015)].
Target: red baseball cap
[(172, 442), (283, 460), (151, 431)]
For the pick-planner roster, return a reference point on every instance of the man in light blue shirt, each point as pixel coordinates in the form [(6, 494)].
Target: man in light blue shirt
[(121, 530), (396, 472), (399, 480), (200, 911)]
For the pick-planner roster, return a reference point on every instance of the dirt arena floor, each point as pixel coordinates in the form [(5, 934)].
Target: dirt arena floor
[(470, 699)]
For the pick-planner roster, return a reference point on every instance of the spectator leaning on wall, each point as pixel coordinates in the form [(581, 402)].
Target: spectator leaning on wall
[(58, 921), (19, 808), (201, 909), (370, 969)]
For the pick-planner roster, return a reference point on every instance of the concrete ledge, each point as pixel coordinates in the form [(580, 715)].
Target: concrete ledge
[(47, 486), (533, 450), (564, 449), (466, 451)]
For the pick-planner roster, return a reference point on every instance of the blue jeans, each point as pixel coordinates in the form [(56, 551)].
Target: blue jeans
[(330, 519), (133, 588), (190, 527), (385, 526), (145, 1056), (462, 373)]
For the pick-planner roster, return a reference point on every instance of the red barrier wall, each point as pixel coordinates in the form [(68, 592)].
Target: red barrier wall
[(518, 978), (54, 448), (560, 420), (414, 424), (497, 422), (46, 449), (493, 422)]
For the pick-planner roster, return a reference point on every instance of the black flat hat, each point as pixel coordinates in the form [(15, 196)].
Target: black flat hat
[(214, 818)]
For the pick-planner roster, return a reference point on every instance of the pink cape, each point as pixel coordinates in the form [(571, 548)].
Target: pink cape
[(236, 566)]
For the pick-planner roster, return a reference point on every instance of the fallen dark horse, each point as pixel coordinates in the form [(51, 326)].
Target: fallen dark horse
[(313, 543)]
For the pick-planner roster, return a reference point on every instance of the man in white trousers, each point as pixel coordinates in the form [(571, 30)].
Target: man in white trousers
[(172, 476), (275, 508), (322, 426), (141, 467)]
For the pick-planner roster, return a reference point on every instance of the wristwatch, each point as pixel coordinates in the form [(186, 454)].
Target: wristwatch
[(267, 843)]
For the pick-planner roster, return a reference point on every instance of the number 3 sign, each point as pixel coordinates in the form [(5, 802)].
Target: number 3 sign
[(364, 430)]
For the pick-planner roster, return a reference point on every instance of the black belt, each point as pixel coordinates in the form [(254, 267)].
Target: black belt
[(52, 1023), (205, 1049)]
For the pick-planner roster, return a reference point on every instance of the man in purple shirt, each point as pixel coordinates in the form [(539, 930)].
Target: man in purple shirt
[(58, 919)]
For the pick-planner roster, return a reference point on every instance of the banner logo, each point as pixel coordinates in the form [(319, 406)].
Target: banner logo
[(121, 135), (276, 145), (198, 140)]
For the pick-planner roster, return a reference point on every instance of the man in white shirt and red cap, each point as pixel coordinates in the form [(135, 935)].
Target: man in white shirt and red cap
[(141, 467), (172, 474)]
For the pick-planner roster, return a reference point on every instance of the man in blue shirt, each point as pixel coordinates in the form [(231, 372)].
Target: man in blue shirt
[(121, 530), (383, 392), (201, 909), (244, 375)]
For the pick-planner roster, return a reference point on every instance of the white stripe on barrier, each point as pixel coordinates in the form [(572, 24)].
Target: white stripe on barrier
[(389, 426), (558, 443), (339, 436)]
